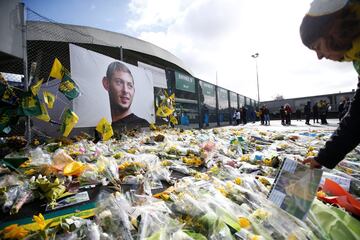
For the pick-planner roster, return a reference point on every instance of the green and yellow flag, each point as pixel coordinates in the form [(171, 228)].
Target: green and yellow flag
[(44, 113), (166, 107), (105, 129), (57, 70), (68, 87), (49, 99), (7, 117), (7, 93), (174, 120), (30, 105), (4, 120), (164, 111), (36, 87), (70, 119)]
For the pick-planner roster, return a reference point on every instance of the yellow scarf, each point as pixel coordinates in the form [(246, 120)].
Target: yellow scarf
[(354, 53)]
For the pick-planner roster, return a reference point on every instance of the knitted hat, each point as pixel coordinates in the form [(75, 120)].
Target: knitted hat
[(324, 7)]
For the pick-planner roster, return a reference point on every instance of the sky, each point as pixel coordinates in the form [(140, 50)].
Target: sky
[(216, 38)]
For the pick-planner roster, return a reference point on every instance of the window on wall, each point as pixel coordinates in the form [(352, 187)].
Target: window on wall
[(233, 100), (207, 102), (186, 98), (241, 100), (207, 94), (223, 98), (223, 103)]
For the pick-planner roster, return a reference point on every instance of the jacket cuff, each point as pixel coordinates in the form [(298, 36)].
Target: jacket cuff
[(325, 161)]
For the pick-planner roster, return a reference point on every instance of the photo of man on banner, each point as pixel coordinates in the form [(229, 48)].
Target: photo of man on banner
[(121, 93), (119, 83)]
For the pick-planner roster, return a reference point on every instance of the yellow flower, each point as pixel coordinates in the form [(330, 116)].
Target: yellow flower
[(261, 214), (348, 170), (192, 160), (222, 191), (201, 176), (264, 181), (153, 127), (132, 150), (166, 163), (256, 237), (238, 181), (214, 169), (321, 194), (14, 232), (310, 153), (267, 161), (124, 165), (292, 236), (30, 172), (40, 220), (118, 155), (244, 222), (245, 157), (74, 169)]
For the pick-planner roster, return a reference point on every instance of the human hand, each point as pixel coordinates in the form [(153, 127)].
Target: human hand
[(313, 163)]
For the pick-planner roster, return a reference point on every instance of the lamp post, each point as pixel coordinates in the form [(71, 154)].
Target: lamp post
[(256, 55)]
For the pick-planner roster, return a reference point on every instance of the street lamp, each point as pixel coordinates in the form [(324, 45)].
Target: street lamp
[(256, 55)]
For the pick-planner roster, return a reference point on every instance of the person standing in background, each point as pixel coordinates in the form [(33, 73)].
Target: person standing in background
[(288, 112), (282, 115), (243, 115), (266, 115), (307, 112), (315, 112)]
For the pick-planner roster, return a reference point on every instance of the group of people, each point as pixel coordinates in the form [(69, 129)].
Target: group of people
[(285, 114), (264, 115), (239, 116), (319, 110)]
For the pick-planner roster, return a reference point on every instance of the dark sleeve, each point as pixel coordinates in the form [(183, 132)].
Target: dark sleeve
[(345, 138)]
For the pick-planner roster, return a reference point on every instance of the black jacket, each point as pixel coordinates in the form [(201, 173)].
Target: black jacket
[(129, 122), (345, 138)]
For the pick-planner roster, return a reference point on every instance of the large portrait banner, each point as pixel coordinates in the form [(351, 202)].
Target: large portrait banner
[(118, 91)]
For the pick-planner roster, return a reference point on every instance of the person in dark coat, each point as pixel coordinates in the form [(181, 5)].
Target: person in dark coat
[(282, 115), (335, 35), (307, 112), (298, 114), (315, 112), (288, 113), (243, 115)]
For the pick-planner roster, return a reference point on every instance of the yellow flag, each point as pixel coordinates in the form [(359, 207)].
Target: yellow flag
[(70, 119), (36, 87), (105, 129), (49, 99), (44, 113), (174, 120), (164, 111), (57, 70)]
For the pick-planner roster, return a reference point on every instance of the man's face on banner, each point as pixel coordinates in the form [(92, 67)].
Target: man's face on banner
[(121, 90)]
